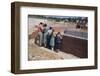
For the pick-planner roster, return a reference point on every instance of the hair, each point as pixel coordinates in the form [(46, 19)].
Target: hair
[(58, 33), (45, 25), (50, 28), (41, 23)]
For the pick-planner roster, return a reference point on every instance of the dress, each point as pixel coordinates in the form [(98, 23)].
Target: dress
[(52, 41), (58, 42)]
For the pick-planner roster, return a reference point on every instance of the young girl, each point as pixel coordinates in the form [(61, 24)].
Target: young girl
[(58, 41), (52, 40)]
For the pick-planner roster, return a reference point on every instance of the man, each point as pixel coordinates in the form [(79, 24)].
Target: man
[(45, 32), (49, 32), (40, 34)]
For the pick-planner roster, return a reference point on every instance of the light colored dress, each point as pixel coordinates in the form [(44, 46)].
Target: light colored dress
[(52, 41)]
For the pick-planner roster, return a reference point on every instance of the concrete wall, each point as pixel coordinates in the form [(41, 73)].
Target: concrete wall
[(75, 46)]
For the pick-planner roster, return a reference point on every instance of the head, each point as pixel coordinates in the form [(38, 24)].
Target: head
[(45, 25), (41, 23), (58, 33), (50, 28)]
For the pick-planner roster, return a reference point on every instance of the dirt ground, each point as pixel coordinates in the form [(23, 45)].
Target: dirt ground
[(40, 53)]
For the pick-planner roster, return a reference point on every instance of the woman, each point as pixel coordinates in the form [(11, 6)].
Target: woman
[(52, 40)]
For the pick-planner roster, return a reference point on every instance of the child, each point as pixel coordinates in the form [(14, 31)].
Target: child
[(58, 41)]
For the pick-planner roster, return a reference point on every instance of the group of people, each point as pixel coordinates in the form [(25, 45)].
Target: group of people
[(47, 37)]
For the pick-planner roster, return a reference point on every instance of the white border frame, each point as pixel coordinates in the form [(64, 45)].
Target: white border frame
[(25, 64)]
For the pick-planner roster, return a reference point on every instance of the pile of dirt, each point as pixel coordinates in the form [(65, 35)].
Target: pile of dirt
[(40, 53)]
